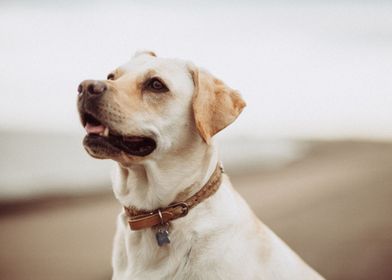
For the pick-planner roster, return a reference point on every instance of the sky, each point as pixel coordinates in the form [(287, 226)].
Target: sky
[(306, 69)]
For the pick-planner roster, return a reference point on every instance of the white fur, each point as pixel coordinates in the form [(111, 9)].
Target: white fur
[(220, 238)]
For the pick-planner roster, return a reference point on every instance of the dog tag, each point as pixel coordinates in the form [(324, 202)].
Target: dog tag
[(162, 235)]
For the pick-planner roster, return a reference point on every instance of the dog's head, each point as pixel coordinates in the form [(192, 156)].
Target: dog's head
[(151, 106)]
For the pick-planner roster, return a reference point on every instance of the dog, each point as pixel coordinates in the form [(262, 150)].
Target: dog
[(181, 217)]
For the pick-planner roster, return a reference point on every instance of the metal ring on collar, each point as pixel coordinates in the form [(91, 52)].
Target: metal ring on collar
[(160, 216)]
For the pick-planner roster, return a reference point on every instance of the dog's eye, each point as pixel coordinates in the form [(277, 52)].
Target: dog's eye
[(155, 85), (110, 76)]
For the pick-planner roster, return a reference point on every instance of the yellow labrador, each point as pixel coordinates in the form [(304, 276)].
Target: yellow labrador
[(182, 219)]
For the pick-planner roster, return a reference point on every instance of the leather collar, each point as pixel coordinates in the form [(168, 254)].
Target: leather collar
[(141, 219)]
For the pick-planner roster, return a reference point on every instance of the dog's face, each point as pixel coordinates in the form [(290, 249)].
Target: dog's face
[(151, 106)]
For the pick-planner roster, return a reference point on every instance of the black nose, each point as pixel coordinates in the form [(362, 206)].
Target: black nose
[(92, 87)]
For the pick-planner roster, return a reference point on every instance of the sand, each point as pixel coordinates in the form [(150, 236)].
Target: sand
[(333, 207)]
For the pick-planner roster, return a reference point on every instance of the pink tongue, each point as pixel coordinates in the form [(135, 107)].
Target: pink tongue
[(96, 129)]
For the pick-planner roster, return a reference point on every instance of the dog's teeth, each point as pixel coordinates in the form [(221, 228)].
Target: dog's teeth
[(106, 132)]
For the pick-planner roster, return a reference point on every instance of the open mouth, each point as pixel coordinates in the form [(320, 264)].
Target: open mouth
[(100, 136)]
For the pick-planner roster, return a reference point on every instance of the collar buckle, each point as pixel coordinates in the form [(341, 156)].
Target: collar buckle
[(140, 219), (184, 208)]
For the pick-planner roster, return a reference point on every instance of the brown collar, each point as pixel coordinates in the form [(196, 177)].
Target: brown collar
[(140, 219)]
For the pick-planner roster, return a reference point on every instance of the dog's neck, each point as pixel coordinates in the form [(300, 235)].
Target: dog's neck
[(157, 183)]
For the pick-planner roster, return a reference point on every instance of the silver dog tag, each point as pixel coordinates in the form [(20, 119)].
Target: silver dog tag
[(162, 235)]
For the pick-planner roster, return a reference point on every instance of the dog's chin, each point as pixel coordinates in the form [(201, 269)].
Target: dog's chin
[(117, 147)]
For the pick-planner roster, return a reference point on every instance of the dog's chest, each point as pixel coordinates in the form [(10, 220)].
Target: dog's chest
[(147, 260)]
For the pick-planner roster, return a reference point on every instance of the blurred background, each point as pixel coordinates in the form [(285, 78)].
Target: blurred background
[(311, 153)]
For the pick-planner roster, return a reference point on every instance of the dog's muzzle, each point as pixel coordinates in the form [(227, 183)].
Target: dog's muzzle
[(102, 138)]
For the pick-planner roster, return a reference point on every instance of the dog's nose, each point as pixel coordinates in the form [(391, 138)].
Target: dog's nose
[(92, 87)]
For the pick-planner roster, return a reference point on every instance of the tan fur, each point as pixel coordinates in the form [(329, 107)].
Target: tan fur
[(215, 105), (116, 73), (144, 52)]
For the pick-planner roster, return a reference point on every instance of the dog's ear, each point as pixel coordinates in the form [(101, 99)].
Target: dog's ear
[(215, 105), (144, 52)]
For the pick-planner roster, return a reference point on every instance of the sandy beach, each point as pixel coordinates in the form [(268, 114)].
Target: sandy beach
[(333, 207)]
